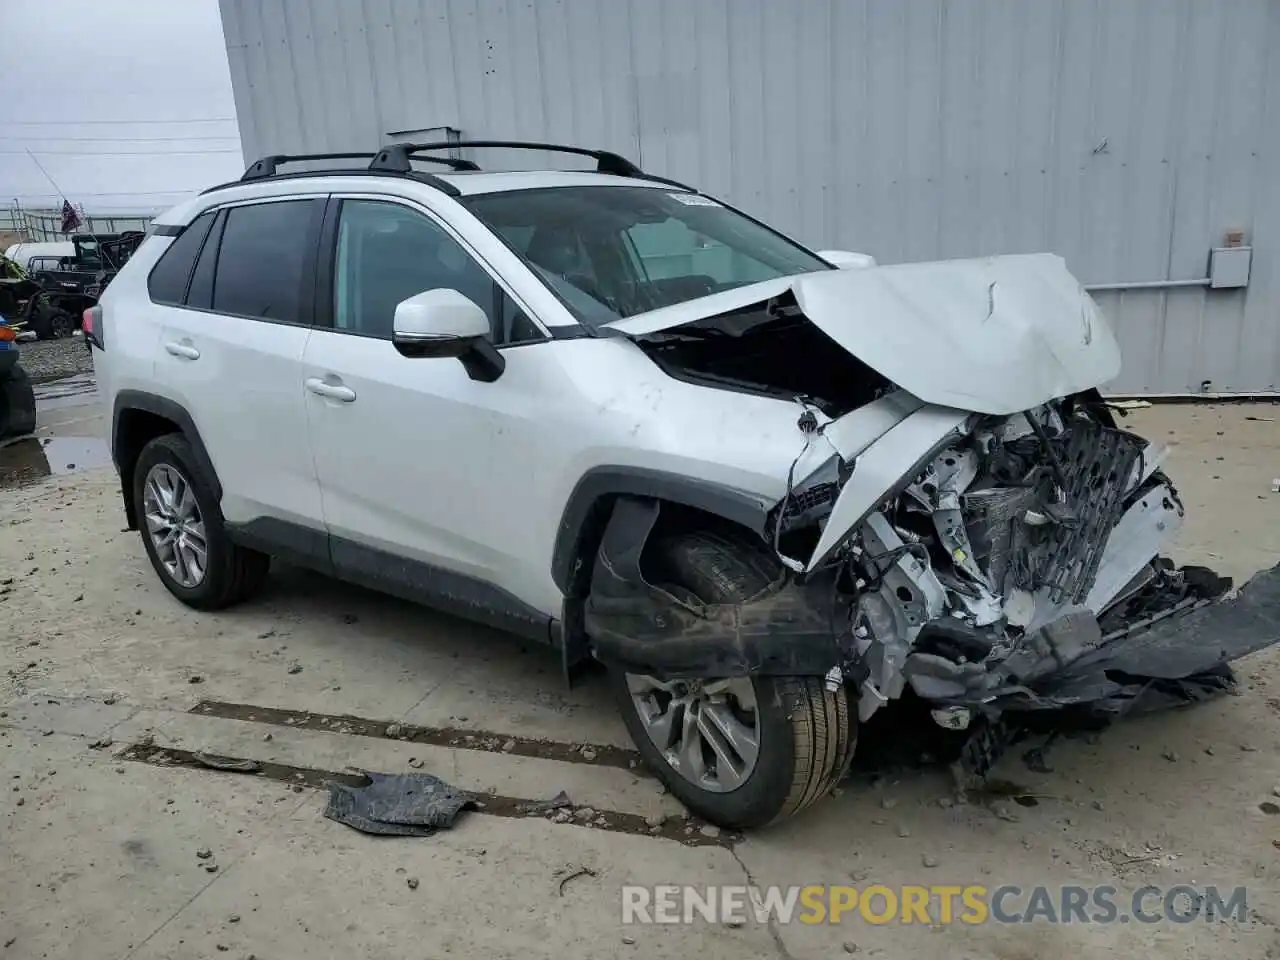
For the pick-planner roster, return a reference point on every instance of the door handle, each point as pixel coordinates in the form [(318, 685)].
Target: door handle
[(331, 391), (183, 350)]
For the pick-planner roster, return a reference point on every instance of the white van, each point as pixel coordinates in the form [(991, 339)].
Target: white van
[(23, 253)]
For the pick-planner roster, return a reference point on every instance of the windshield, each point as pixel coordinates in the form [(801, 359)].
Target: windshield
[(612, 252)]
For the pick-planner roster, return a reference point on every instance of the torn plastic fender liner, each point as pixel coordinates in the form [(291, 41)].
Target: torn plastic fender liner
[(787, 629)]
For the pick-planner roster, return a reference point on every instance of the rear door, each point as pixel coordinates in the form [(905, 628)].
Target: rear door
[(230, 351)]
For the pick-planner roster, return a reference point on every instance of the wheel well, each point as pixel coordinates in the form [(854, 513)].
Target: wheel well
[(590, 507), (134, 429), (580, 564), (673, 517)]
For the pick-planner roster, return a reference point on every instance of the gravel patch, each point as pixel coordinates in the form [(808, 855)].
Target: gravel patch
[(46, 360)]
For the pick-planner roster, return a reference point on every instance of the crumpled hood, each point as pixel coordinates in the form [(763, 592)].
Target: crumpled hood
[(995, 335)]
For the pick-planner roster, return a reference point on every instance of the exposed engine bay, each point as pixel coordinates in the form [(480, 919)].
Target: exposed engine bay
[(769, 349), (991, 568)]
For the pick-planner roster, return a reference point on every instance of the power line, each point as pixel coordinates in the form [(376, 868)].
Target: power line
[(119, 193), (35, 137), (48, 123), (117, 153)]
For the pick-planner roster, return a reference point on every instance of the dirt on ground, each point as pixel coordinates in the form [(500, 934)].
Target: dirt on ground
[(117, 842), (46, 360)]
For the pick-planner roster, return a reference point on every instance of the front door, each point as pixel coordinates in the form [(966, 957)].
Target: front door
[(428, 478)]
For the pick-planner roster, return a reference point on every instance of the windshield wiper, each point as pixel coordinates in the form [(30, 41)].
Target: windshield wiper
[(689, 332)]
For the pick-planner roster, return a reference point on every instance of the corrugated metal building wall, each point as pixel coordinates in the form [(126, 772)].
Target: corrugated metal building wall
[(1127, 135)]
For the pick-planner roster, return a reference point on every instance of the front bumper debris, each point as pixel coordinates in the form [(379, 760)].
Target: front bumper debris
[(1177, 659)]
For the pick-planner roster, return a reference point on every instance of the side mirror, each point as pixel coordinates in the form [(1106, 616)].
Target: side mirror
[(847, 260), (444, 323)]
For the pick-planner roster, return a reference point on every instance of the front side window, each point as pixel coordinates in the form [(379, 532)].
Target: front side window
[(614, 251), (262, 258), (387, 253)]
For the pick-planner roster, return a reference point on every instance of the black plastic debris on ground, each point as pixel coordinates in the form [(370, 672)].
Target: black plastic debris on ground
[(397, 805)]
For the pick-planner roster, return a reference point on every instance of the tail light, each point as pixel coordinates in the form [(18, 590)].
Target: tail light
[(91, 324), (7, 333)]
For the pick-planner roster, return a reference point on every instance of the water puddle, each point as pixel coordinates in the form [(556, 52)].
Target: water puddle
[(31, 459)]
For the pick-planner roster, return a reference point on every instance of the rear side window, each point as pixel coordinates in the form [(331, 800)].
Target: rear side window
[(262, 258), (168, 280)]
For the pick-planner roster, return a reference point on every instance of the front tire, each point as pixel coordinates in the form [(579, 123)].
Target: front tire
[(184, 533), (740, 752)]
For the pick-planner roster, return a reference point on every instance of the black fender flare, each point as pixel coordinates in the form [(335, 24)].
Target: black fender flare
[(786, 629), (175, 413), (582, 520)]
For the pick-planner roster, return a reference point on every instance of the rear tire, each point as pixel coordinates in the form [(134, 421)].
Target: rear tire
[(805, 734), (228, 573)]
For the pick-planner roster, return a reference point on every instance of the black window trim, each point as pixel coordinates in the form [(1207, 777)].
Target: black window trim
[(306, 298), (186, 284), (326, 267), (214, 235)]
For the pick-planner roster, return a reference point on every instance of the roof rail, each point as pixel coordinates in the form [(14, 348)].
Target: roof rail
[(395, 158), (267, 166), (430, 180)]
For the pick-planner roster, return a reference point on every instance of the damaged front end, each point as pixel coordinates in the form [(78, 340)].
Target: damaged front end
[(1009, 567), (965, 519), (1019, 570)]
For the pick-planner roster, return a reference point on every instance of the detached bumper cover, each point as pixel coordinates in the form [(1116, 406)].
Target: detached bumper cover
[(1179, 659)]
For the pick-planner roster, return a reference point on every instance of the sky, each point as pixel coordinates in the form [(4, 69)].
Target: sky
[(125, 103)]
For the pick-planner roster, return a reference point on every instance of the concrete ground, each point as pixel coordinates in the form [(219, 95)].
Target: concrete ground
[(104, 855)]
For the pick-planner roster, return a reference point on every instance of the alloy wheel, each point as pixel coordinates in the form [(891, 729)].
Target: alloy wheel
[(707, 731), (175, 525)]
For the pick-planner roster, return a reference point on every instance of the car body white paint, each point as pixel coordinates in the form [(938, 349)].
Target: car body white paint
[(473, 476)]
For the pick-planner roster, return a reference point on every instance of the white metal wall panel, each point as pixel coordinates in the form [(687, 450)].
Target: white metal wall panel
[(1127, 135)]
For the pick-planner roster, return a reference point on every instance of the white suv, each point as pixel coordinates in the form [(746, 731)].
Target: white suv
[(771, 489)]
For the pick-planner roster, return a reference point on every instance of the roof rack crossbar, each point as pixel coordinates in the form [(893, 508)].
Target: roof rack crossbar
[(395, 159), (268, 166), (606, 161)]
